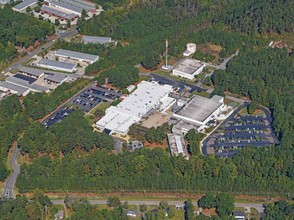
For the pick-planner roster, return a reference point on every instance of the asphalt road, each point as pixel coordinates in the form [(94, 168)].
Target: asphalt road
[(40, 49), (258, 207), (8, 190), (173, 82)]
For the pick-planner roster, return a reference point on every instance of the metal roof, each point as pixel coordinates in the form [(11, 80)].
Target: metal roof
[(80, 4), (67, 6), (30, 80), (77, 55), (56, 78), (199, 108), (54, 63), (58, 13), (26, 84), (23, 5), (31, 71), (19, 89), (96, 40)]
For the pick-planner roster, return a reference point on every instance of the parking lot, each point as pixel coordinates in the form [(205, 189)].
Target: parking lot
[(57, 116), (93, 96), (238, 132), (85, 100)]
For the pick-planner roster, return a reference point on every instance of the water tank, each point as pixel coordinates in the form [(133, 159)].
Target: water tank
[(191, 47)]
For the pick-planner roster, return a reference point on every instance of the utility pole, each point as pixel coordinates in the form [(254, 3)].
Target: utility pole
[(166, 52)]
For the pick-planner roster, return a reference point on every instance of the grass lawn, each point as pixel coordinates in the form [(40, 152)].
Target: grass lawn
[(203, 94), (179, 214)]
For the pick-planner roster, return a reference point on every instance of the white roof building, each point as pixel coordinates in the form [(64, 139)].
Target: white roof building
[(56, 65), (23, 5), (82, 57), (144, 99), (200, 110), (177, 145), (96, 40), (14, 89), (189, 68)]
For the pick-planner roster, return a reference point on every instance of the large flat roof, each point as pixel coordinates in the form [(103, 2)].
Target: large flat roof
[(19, 89), (96, 40), (31, 71), (189, 66), (143, 99), (58, 78), (199, 108), (57, 64), (57, 12), (67, 6), (23, 5), (77, 55), (26, 84), (80, 4), (147, 97)]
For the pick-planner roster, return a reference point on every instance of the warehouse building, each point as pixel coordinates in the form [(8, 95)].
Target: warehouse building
[(146, 98), (201, 111), (73, 6), (55, 79), (23, 5), (31, 72), (27, 83), (96, 40), (189, 68), (60, 14), (14, 89), (77, 56), (56, 65)]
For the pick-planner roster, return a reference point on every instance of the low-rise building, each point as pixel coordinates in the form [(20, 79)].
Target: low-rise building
[(146, 98), (239, 215), (189, 68), (200, 110), (56, 79), (26, 83), (14, 89), (57, 13), (177, 145), (56, 65), (73, 6), (96, 40), (77, 56), (24, 4), (31, 72), (191, 49)]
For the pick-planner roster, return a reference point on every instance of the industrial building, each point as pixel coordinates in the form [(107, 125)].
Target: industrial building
[(27, 83), (57, 13), (23, 5), (73, 6), (77, 56), (200, 110), (96, 40), (56, 65), (143, 100), (31, 72), (189, 68), (55, 79), (14, 89), (177, 145)]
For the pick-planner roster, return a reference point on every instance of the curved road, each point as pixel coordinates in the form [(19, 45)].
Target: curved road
[(8, 190)]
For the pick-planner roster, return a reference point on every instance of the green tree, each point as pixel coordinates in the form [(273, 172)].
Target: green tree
[(224, 204), (207, 201), (189, 210)]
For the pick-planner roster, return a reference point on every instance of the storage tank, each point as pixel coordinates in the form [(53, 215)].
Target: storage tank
[(191, 47)]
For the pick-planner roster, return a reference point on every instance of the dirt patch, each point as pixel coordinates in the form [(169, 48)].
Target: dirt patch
[(209, 212), (154, 145)]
